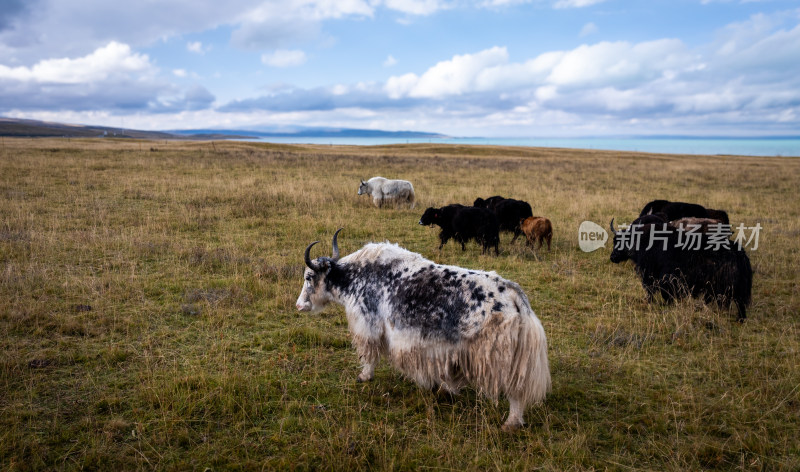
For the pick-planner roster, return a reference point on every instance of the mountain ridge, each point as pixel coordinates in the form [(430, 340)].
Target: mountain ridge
[(17, 127)]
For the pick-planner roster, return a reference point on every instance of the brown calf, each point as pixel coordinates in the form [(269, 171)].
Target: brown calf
[(537, 228)]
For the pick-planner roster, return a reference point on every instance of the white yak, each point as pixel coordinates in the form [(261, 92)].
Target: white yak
[(388, 191)]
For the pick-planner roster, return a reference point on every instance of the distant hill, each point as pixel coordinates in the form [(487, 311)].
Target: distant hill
[(43, 129), (314, 133), (40, 129)]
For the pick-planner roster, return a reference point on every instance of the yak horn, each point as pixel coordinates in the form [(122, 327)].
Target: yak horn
[(309, 263), (612, 226), (335, 255)]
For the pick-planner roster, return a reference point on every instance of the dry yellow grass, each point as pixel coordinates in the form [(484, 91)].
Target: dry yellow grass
[(147, 312)]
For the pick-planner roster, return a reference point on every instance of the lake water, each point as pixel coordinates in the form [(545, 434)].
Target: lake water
[(705, 146)]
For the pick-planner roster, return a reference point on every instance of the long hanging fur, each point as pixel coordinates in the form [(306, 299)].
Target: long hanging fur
[(441, 326), (508, 356)]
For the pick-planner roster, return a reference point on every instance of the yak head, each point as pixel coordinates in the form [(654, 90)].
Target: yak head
[(363, 188), (431, 216), (624, 248), (315, 295), (618, 253)]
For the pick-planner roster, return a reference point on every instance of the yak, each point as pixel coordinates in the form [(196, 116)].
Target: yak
[(702, 225), (509, 212), (441, 326), (385, 191), (678, 210), (720, 273), (537, 229), (489, 202), (463, 224)]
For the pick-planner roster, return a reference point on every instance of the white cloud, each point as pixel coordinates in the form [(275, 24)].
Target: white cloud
[(110, 60), (415, 7), (284, 58), (57, 28), (195, 47), (68, 29), (399, 87), (619, 62), (588, 29), (111, 78), (71, 56), (598, 65), (458, 75), (503, 3), (576, 3)]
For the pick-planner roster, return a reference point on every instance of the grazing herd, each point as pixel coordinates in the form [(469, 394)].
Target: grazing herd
[(692, 255), (484, 220), (448, 327)]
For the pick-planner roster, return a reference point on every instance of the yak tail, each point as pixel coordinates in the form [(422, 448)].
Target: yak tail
[(509, 356), (412, 199), (531, 370), (743, 287)]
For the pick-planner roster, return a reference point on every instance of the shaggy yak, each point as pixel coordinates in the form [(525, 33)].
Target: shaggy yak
[(385, 191), (537, 229), (702, 225), (464, 223), (678, 210), (718, 274), (509, 212), (441, 326)]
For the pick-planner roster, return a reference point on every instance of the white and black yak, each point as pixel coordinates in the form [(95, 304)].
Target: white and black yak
[(385, 191), (674, 266), (441, 326)]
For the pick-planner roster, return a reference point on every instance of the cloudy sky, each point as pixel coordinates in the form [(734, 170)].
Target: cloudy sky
[(497, 68)]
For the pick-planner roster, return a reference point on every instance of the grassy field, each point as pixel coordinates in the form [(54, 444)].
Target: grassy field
[(147, 315)]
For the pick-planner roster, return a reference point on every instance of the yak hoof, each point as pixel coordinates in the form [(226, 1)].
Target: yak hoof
[(359, 379), (511, 427)]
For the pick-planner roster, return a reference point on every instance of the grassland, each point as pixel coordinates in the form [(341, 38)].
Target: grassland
[(147, 315)]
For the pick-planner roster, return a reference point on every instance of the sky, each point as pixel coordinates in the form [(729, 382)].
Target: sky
[(492, 68)]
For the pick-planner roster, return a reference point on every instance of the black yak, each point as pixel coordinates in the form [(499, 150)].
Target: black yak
[(678, 210), (489, 202), (464, 223), (509, 212), (715, 268)]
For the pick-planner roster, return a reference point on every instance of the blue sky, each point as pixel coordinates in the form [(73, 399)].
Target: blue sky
[(496, 68)]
